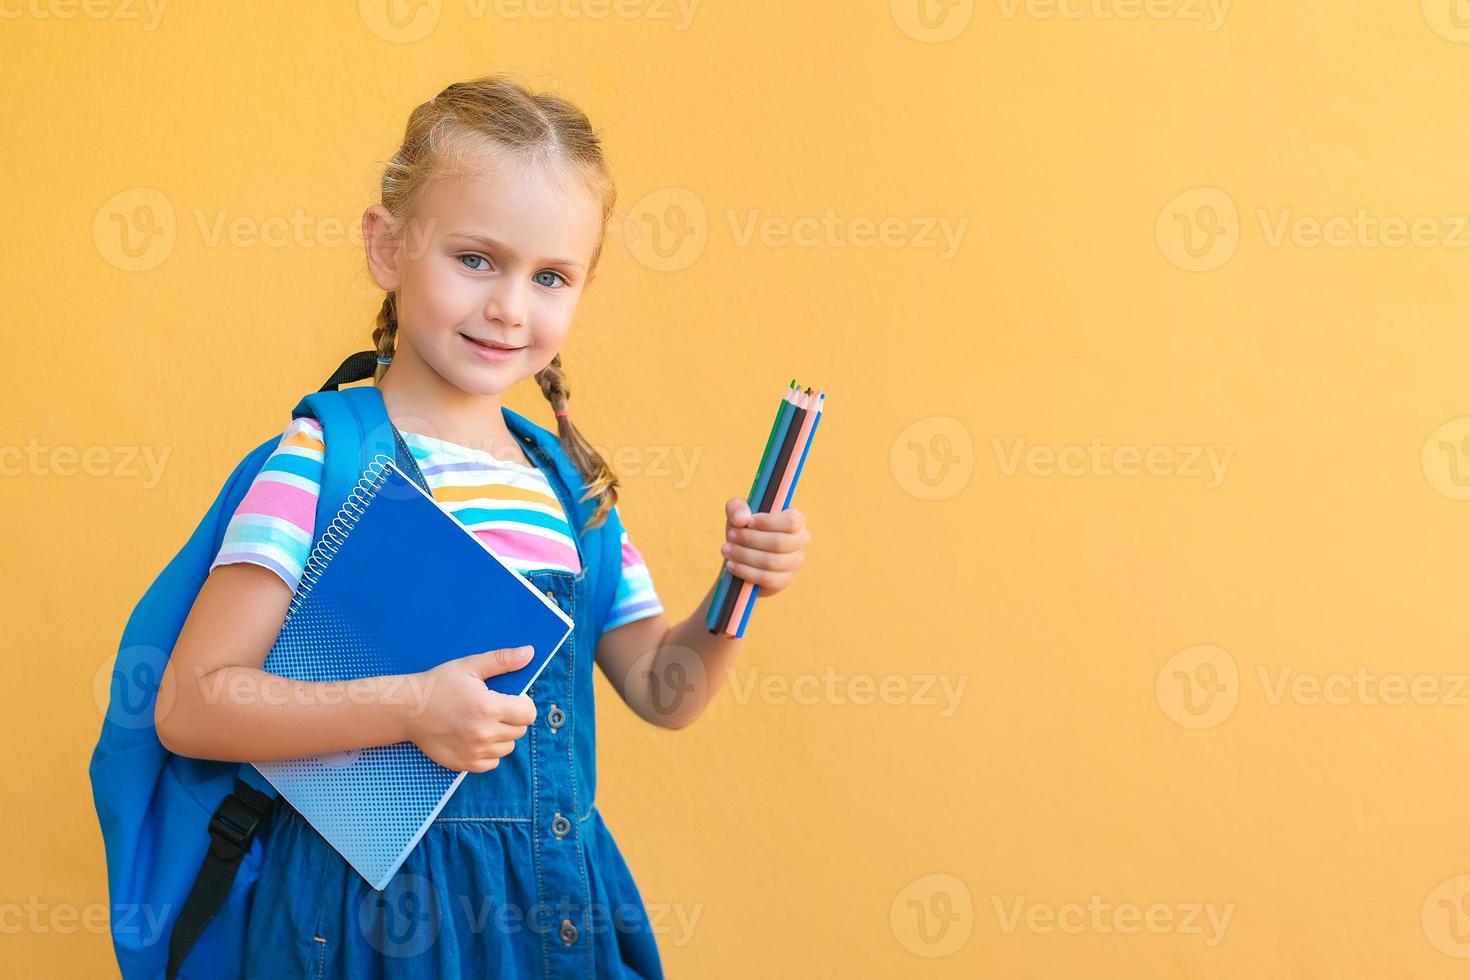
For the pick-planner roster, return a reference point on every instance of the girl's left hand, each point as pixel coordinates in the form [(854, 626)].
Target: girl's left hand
[(764, 549)]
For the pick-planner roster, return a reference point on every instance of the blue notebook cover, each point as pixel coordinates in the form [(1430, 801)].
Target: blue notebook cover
[(396, 585)]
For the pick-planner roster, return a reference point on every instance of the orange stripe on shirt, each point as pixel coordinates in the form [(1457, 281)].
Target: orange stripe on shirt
[(495, 492), (305, 442)]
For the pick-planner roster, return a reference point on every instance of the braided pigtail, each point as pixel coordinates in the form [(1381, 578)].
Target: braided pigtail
[(602, 482), (384, 332)]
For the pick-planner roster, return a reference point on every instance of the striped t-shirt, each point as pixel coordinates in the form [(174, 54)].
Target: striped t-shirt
[(509, 506)]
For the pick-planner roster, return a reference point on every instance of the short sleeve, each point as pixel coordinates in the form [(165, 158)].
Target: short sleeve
[(635, 598), (275, 522)]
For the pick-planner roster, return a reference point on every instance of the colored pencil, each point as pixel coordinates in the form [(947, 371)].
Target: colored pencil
[(784, 456), (770, 479), (725, 578), (730, 584), (784, 493)]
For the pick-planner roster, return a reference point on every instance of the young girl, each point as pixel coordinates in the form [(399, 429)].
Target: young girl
[(490, 227)]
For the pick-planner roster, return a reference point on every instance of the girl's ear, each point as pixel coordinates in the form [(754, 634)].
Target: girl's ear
[(380, 239)]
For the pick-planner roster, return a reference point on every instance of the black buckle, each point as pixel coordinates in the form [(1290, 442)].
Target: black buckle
[(232, 827)]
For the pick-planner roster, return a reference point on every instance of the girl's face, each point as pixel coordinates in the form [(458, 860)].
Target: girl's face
[(488, 272)]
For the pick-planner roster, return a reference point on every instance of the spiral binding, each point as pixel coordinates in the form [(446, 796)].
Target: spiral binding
[(337, 529)]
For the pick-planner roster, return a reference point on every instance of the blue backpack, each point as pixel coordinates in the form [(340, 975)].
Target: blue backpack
[(181, 833)]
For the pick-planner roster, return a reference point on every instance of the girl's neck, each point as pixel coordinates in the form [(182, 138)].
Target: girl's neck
[(419, 400)]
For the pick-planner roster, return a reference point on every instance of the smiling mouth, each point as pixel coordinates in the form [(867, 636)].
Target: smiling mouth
[(490, 345)]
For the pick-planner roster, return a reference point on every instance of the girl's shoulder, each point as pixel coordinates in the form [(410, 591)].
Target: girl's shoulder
[(301, 451), (275, 522), (304, 432)]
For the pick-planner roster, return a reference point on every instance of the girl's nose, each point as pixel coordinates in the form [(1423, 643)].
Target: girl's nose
[(507, 303)]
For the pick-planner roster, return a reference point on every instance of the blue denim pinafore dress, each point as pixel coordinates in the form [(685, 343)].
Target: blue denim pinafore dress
[(518, 876)]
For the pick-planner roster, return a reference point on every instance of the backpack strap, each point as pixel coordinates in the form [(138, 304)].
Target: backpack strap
[(357, 428), (611, 572), (232, 828), (357, 367), (355, 431)]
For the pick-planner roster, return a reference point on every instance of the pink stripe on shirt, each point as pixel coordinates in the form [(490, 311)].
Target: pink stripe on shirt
[(274, 499), (517, 547)]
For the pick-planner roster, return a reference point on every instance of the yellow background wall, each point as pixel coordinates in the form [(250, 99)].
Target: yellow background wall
[(1137, 590)]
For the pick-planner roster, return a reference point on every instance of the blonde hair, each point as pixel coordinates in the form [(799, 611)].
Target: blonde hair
[(500, 114)]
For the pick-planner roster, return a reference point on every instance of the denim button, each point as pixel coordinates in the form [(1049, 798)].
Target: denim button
[(568, 932), (560, 826), (556, 717), (551, 595)]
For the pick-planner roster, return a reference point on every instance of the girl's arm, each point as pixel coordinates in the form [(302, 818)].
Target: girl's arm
[(215, 701), (668, 676)]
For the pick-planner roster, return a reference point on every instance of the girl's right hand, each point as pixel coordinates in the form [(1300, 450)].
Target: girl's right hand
[(461, 724)]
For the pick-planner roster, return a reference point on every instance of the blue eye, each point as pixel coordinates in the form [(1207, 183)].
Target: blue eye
[(471, 256), (548, 272)]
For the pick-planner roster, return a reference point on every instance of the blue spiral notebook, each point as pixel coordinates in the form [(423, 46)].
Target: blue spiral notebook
[(396, 585)]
